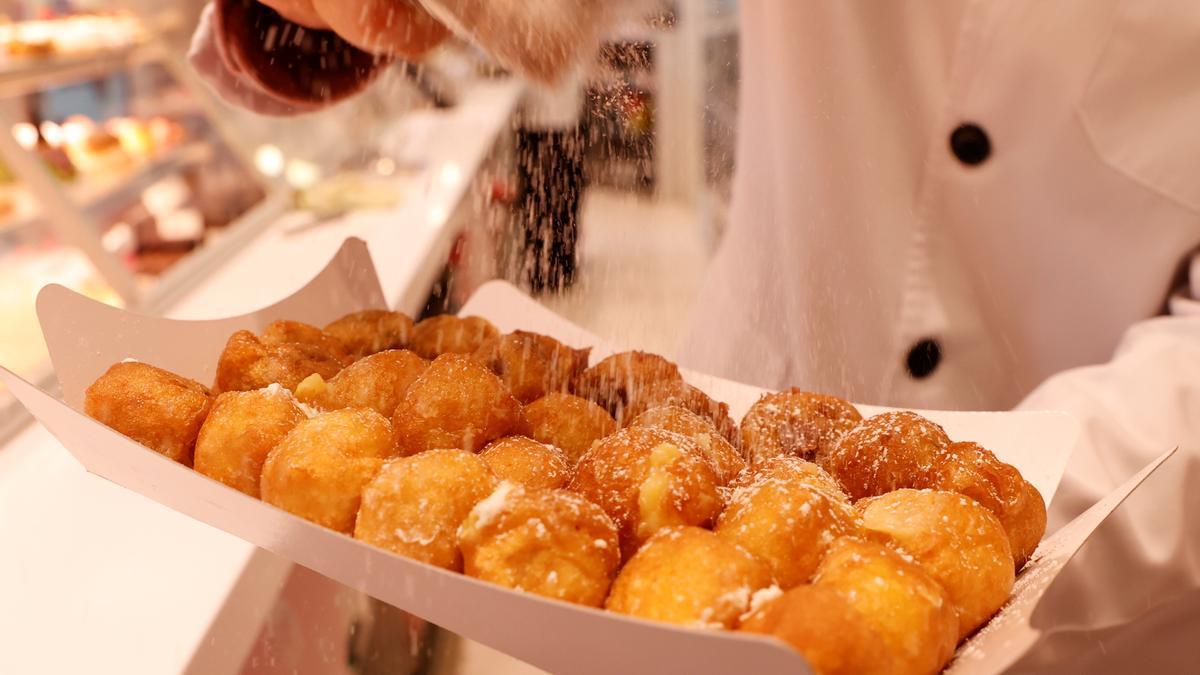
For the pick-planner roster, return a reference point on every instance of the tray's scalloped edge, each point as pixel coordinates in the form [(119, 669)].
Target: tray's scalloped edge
[(80, 353)]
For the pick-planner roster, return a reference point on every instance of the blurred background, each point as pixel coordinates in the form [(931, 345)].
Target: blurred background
[(124, 178)]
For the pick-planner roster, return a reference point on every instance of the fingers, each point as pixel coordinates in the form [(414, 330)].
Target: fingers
[(297, 11), (398, 27), (301, 67)]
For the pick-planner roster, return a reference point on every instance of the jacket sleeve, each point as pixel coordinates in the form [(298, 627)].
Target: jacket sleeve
[(1133, 591), (255, 59)]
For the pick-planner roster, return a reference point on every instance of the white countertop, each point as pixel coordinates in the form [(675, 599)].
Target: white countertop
[(408, 243), (97, 579)]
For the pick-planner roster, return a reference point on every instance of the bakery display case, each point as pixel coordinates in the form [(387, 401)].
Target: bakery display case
[(118, 176)]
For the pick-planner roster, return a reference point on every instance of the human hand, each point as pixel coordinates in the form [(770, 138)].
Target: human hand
[(391, 27), (297, 11)]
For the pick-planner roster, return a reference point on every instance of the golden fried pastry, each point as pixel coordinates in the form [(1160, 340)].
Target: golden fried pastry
[(790, 468), (283, 332), (795, 422), (527, 463), (371, 331), (248, 363), (567, 422), (416, 504), (532, 365), (886, 452), (241, 429), (974, 471), (449, 334), (727, 461), (547, 542), (906, 607), (688, 576), (620, 378), (647, 479), (787, 523), (319, 469), (159, 409), (820, 624), (455, 403), (378, 382), (681, 394), (957, 541)]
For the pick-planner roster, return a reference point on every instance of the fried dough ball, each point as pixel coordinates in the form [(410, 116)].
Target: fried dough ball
[(371, 331), (790, 468), (416, 504), (957, 541), (455, 403), (378, 382), (620, 378), (688, 576), (449, 334), (906, 607), (241, 429), (157, 408), (319, 469), (684, 395), (532, 365), (647, 479), (283, 332), (727, 461), (248, 363), (820, 624), (552, 543), (795, 422), (567, 422), (886, 452), (974, 471), (527, 463), (787, 522)]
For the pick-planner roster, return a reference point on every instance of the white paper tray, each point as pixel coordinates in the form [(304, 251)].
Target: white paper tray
[(85, 337)]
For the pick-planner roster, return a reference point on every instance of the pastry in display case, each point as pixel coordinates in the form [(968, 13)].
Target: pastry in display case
[(73, 35), (147, 182)]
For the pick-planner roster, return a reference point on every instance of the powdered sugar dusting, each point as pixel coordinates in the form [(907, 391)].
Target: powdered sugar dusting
[(487, 510), (761, 598), (410, 538), (276, 389)]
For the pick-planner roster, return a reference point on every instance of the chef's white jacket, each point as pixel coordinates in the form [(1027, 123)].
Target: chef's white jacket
[(1041, 251)]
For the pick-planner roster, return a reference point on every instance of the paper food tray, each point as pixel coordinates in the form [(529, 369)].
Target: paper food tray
[(85, 337)]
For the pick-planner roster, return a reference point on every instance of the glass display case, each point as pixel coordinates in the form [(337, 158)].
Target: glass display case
[(119, 177)]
